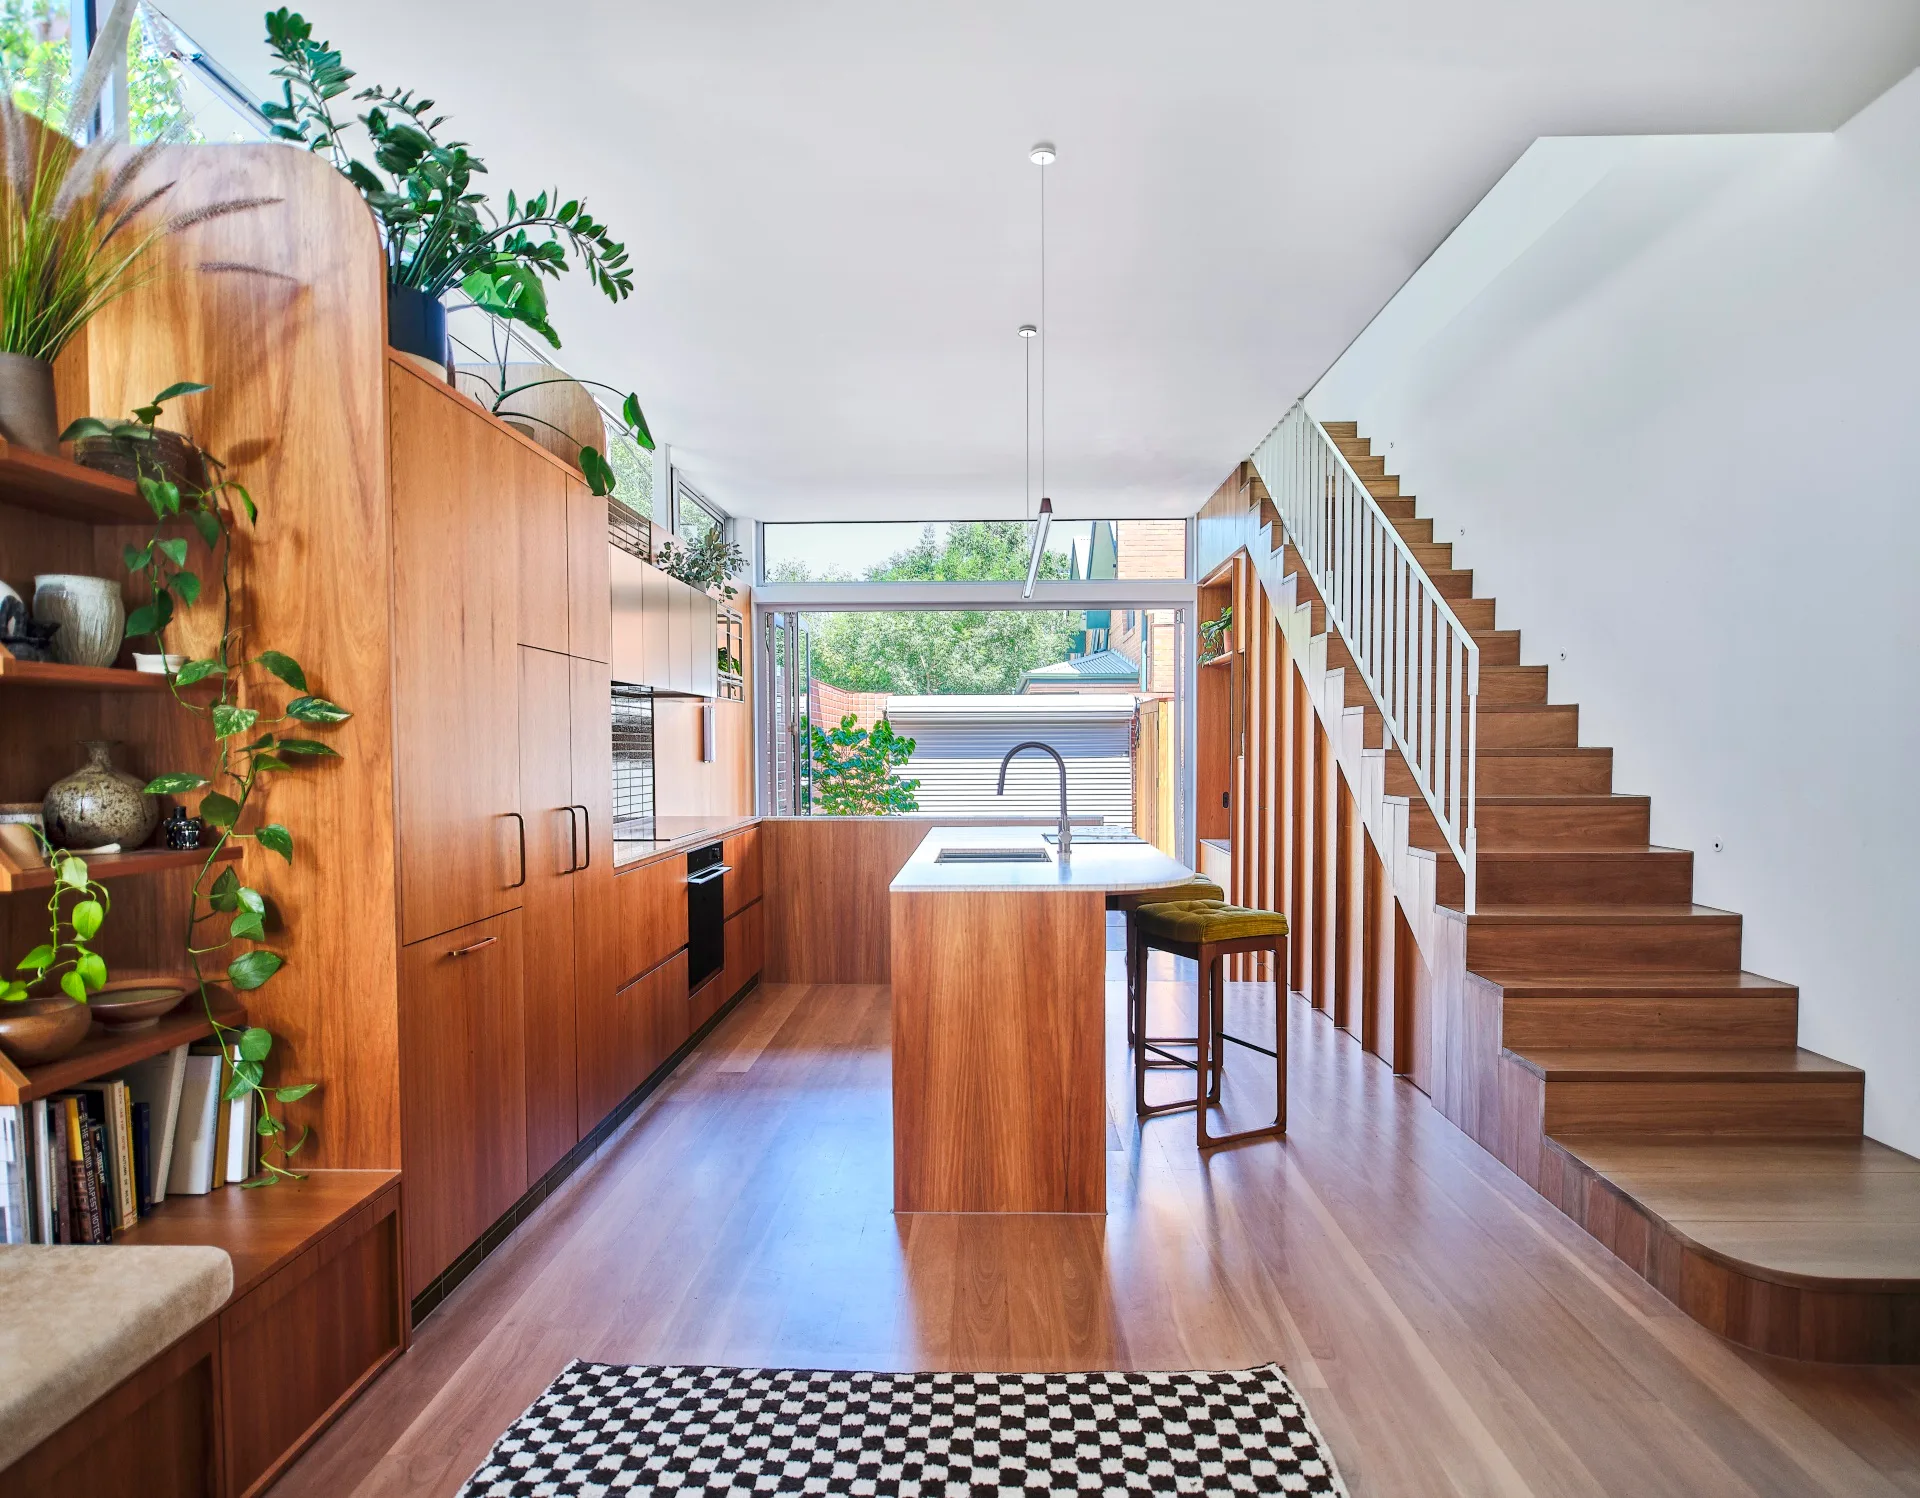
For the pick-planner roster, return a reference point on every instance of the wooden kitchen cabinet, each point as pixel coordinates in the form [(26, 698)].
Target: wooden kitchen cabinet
[(456, 609), (541, 505), (554, 856), (745, 953), (662, 998), (463, 1102), (677, 606), (658, 645), (597, 966), (703, 644), (741, 854), (653, 914), (589, 630)]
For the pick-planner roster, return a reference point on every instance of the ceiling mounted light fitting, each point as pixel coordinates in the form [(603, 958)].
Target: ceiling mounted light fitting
[(1042, 155), (1039, 544)]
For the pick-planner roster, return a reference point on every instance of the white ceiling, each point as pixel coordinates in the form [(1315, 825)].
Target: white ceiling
[(833, 218)]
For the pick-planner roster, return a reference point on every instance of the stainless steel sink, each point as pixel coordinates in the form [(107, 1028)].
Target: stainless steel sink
[(992, 855)]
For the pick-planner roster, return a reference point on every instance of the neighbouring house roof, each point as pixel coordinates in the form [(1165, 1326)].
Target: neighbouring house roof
[(1103, 668)]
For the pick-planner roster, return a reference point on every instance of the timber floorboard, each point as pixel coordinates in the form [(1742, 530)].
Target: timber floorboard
[(1451, 1331)]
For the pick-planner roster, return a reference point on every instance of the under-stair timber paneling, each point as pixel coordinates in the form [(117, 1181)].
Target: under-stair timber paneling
[(1588, 1024)]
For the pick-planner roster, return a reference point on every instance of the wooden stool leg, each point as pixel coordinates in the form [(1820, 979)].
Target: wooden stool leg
[(1136, 984), (1280, 1033), (1219, 1030), (1204, 1042)]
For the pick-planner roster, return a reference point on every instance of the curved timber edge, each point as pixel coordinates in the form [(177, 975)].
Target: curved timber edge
[(1801, 1248)]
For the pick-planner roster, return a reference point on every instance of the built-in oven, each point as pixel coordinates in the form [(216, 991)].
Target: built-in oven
[(706, 914)]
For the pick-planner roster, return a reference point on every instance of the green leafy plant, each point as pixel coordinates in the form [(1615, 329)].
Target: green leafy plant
[(1213, 631), (729, 662), (226, 921), (439, 231), (594, 466), (708, 563), (141, 428), (75, 231), (853, 770), (76, 910)]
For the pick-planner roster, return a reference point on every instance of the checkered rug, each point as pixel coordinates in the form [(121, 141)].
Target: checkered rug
[(601, 1429)]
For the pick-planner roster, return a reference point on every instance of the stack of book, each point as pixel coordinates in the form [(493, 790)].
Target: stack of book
[(84, 1164)]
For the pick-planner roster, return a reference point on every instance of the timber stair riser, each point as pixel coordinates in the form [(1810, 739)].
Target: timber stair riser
[(1732, 1109), (1563, 821), (1548, 942), (1505, 726), (1543, 772), (1578, 1022), (1622, 876)]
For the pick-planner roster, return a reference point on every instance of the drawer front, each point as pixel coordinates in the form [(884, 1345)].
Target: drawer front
[(653, 915), (742, 855)]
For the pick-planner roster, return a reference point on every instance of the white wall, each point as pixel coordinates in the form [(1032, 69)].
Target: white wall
[(1664, 396)]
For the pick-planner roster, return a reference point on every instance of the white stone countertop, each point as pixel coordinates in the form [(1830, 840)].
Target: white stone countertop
[(1094, 866), (76, 1321)]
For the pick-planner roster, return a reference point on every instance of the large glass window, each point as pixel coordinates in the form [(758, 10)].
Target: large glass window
[(971, 550)]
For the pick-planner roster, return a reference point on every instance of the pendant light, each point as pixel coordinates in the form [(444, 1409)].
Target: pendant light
[(1042, 155)]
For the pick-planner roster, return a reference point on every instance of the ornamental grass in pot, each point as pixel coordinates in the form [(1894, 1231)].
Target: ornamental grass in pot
[(78, 226)]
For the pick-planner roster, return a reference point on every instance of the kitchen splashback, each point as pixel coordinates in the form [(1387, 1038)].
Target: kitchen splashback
[(632, 754)]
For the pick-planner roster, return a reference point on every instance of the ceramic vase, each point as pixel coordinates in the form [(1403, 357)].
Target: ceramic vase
[(26, 403), (91, 617), (36, 1031), (99, 804)]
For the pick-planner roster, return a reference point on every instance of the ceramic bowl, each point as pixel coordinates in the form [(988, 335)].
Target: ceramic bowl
[(158, 665), (36, 1031), (136, 1001)]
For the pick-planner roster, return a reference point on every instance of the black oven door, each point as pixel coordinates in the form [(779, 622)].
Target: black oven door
[(706, 915)]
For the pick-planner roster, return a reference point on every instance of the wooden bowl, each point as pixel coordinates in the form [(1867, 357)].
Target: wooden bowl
[(36, 1031), (134, 1001)]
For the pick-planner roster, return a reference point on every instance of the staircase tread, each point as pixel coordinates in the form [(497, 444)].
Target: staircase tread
[(1694, 1063), (1516, 751), (1820, 1213), (1561, 850), (1573, 915), (1636, 984), (1563, 798)]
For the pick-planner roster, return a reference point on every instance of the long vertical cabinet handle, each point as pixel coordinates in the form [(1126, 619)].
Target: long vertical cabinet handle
[(573, 841), (521, 823), (587, 817)]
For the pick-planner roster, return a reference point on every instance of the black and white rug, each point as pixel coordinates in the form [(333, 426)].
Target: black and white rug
[(601, 1429)]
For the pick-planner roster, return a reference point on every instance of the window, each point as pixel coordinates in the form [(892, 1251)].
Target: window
[(695, 516), (972, 551)]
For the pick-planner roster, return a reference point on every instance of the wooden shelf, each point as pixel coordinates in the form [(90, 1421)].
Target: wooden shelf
[(107, 1050), (63, 489), (111, 866), (18, 673), (1225, 657), (265, 1228)]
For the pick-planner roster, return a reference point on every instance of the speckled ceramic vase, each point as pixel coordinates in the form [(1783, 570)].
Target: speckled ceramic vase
[(91, 616), (98, 804)]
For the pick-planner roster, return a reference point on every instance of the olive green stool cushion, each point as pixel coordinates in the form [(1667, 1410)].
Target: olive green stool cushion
[(1192, 922), (1198, 888)]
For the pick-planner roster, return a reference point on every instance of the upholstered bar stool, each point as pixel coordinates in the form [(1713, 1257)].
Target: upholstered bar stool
[(1209, 931), (1197, 888)]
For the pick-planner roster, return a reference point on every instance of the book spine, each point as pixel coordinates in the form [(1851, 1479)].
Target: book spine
[(13, 1166), (80, 1170), (143, 1158), (61, 1173), (101, 1206), (121, 1122), (41, 1139)]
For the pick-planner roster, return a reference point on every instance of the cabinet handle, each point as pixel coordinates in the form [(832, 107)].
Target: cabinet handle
[(521, 823), (472, 947), (573, 841), (587, 817)]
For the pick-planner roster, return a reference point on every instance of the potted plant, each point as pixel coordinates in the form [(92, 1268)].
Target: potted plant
[(1213, 631), (438, 231), (75, 235), (138, 448), (706, 565), (38, 1025)]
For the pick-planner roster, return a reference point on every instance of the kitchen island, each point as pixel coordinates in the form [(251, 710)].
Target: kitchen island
[(999, 1018)]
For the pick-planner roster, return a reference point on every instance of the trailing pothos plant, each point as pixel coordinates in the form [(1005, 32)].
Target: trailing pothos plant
[(76, 910), (250, 743)]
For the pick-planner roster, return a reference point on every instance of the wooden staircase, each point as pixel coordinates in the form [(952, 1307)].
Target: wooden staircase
[(1627, 1065)]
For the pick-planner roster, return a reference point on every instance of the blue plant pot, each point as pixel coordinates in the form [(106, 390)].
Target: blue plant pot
[(416, 323)]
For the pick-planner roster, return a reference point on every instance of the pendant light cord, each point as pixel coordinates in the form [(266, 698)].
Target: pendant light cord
[(1043, 330), (1027, 410)]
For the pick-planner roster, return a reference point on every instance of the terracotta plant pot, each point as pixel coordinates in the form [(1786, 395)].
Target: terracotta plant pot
[(26, 404), (137, 1001), (36, 1031), (169, 456)]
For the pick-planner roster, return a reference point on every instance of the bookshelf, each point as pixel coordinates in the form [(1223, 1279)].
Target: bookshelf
[(19, 673), (66, 491), (106, 1050), (103, 866)]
